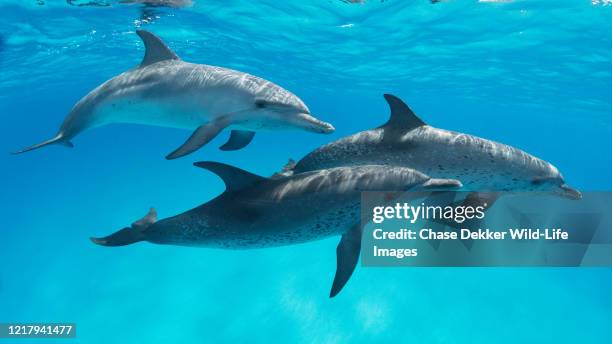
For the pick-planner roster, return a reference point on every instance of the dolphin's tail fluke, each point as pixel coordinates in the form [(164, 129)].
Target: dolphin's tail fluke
[(129, 235), (58, 139)]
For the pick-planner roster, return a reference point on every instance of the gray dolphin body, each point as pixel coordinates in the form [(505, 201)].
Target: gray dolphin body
[(166, 91), (256, 212), (405, 140)]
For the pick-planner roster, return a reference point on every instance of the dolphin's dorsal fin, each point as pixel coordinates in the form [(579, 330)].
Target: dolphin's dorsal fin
[(401, 116), (233, 177), (155, 49)]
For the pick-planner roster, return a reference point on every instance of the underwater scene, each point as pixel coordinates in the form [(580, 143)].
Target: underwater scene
[(106, 106)]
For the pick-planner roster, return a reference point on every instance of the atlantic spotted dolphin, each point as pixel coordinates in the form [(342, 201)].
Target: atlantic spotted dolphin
[(166, 91), (257, 212), (405, 140)]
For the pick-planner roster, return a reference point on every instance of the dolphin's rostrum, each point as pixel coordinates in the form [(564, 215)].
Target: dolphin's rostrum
[(257, 212), (166, 91)]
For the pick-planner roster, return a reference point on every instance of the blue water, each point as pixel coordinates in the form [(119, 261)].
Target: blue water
[(533, 74)]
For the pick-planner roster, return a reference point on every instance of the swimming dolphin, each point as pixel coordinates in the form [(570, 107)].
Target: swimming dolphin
[(166, 91), (256, 212), (405, 140)]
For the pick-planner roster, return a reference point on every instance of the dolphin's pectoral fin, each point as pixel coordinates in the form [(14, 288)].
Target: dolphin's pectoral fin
[(347, 255), (474, 200), (238, 139), (147, 220), (199, 138), (442, 184), (287, 170), (402, 118), (155, 49)]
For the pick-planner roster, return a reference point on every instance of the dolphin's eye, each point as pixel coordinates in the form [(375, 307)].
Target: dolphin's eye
[(260, 104)]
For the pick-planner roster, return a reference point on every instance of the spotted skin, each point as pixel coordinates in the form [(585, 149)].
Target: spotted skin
[(283, 211), (480, 164)]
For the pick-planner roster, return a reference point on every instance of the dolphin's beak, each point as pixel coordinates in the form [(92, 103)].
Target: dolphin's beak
[(311, 123), (569, 192)]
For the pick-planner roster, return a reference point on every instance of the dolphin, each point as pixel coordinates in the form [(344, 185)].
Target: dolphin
[(166, 91), (405, 140), (258, 212)]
